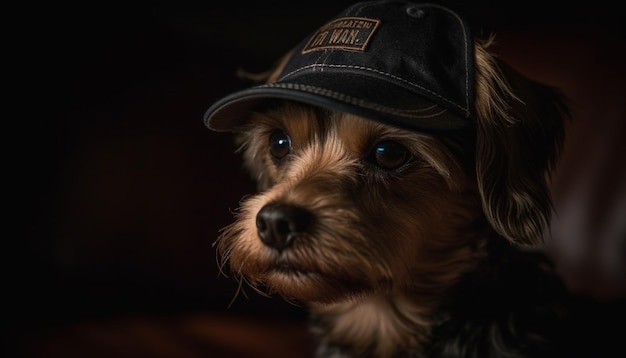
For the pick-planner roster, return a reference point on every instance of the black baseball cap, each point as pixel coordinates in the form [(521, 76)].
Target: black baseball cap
[(398, 62)]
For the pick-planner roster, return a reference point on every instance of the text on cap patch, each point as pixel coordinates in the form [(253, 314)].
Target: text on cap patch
[(346, 33)]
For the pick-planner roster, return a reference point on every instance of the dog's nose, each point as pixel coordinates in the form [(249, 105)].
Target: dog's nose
[(279, 224)]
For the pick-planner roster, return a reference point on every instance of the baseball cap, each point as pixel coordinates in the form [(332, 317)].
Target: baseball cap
[(397, 62)]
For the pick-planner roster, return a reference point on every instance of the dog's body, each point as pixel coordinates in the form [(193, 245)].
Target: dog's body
[(406, 243)]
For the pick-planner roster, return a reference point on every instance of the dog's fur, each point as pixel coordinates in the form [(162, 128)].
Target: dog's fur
[(406, 243)]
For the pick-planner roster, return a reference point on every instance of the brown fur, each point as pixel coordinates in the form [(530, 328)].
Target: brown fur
[(384, 248)]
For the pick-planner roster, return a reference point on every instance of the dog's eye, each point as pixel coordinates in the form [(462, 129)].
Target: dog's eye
[(280, 145), (390, 155)]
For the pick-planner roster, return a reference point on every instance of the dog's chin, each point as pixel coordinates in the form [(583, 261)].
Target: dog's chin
[(308, 286)]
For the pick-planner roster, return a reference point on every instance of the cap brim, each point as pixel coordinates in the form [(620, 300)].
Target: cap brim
[(365, 96)]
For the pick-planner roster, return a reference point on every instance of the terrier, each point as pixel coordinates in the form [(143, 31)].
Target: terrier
[(402, 171)]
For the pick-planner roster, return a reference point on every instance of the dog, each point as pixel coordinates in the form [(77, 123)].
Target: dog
[(407, 229)]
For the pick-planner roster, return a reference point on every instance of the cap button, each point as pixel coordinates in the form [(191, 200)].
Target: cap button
[(415, 12)]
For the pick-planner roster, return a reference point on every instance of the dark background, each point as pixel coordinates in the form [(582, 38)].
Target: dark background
[(117, 190)]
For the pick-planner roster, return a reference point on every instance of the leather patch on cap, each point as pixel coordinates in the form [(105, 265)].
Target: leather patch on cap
[(346, 33)]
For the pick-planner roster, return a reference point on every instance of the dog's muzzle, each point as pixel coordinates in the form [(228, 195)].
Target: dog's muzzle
[(279, 224)]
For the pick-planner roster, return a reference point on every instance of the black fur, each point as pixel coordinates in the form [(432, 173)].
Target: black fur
[(514, 305)]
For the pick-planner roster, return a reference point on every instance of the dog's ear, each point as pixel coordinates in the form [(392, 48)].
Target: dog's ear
[(268, 76), (520, 131)]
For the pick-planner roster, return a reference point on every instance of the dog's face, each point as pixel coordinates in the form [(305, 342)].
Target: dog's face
[(350, 206)]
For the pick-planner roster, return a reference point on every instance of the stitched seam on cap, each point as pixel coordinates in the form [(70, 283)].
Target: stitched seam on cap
[(377, 72), (357, 101), (467, 59)]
